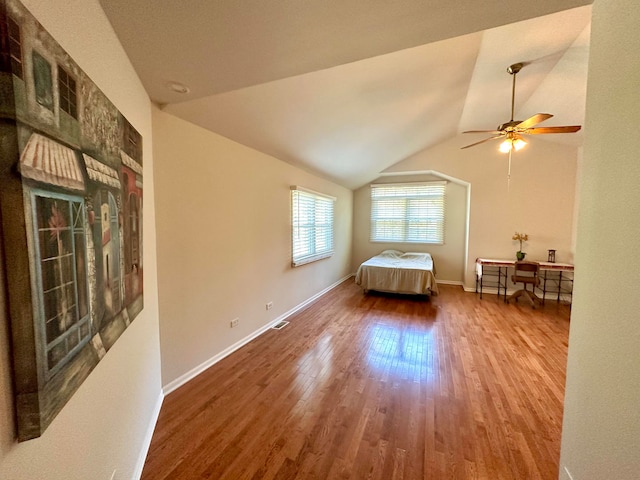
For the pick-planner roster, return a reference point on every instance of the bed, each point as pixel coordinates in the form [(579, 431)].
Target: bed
[(398, 272)]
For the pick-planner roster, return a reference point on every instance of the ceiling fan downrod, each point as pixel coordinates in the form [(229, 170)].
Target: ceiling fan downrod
[(513, 70)]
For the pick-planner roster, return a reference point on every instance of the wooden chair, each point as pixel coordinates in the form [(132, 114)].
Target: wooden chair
[(527, 274)]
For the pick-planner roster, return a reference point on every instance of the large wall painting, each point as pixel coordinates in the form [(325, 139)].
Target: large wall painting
[(71, 206)]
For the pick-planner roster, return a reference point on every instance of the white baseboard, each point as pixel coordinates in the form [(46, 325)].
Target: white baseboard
[(568, 474), (146, 443), (449, 282), (191, 374), (178, 382), (312, 299), (550, 296)]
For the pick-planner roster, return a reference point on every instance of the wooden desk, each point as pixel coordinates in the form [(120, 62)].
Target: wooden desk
[(555, 278)]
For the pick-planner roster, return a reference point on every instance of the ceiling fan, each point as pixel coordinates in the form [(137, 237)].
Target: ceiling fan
[(512, 132)]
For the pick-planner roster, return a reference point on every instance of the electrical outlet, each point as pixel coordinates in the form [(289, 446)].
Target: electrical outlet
[(234, 322), (269, 305)]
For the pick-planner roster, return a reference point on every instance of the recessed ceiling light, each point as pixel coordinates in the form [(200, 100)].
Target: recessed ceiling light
[(178, 87)]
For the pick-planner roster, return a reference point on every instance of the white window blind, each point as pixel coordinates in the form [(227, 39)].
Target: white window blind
[(312, 226), (408, 212)]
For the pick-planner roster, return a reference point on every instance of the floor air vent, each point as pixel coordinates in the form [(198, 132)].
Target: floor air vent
[(280, 325)]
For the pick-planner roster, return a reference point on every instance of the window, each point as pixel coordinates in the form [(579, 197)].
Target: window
[(312, 226), (67, 88), (15, 47), (42, 80), (10, 46), (408, 212), (133, 229), (131, 140), (63, 288)]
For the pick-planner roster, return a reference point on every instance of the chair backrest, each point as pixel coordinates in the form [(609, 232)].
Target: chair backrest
[(526, 272)]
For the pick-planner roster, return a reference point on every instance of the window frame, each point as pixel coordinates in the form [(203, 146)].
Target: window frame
[(424, 229), (42, 79), (68, 92), (131, 140), (14, 35), (323, 209), (76, 228)]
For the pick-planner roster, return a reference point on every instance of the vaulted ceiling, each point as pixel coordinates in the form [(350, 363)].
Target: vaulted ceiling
[(348, 88)]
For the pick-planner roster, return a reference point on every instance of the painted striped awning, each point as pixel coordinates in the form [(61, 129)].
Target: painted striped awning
[(47, 161), (99, 172), (131, 163)]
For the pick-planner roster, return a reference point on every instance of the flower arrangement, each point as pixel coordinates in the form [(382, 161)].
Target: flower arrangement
[(520, 237)]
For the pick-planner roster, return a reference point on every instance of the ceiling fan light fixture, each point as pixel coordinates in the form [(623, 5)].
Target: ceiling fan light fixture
[(512, 144), (518, 144)]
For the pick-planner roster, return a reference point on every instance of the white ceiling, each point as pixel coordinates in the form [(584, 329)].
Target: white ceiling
[(348, 88)]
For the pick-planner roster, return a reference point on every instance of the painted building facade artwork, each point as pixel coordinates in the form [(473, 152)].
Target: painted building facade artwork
[(71, 196)]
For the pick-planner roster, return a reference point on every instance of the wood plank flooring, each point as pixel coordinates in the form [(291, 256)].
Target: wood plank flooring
[(378, 387)]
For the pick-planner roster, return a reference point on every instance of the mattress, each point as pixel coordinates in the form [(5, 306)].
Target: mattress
[(398, 272)]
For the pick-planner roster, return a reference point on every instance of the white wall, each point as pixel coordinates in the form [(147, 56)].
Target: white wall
[(224, 242), (106, 423), (538, 200), (601, 431), (448, 258)]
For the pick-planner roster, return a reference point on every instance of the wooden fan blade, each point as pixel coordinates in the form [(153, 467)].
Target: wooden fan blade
[(543, 130), (494, 132), (481, 141), (531, 121)]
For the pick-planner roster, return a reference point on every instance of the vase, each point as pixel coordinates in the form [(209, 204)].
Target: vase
[(520, 256)]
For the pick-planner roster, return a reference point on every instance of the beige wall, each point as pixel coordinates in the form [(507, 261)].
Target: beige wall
[(105, 425), (224, 242), (601, 431), (538, 200), (448, 258)]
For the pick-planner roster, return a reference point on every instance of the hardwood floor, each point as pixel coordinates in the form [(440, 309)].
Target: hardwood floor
[(378, 387)]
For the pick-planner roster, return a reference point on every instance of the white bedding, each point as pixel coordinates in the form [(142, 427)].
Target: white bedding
[(398, 272)]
